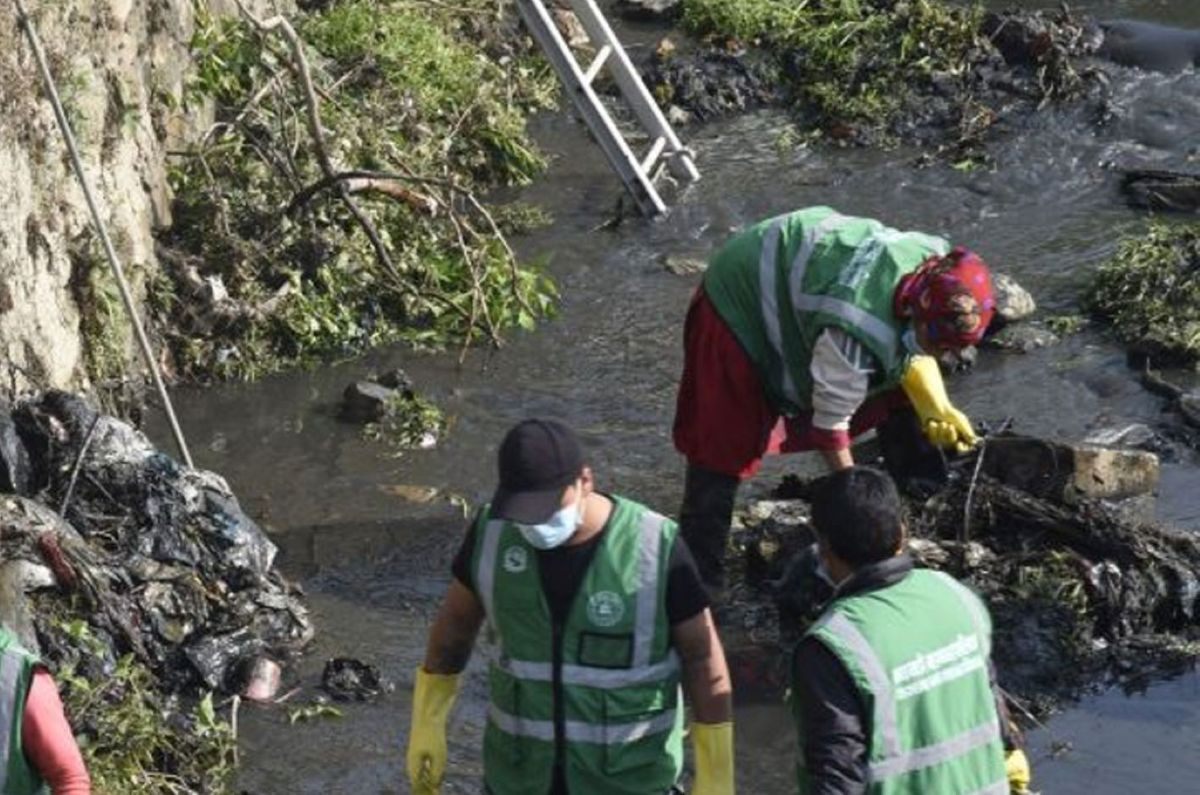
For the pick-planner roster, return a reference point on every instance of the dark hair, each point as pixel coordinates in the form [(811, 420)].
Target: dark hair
[(857, 512)]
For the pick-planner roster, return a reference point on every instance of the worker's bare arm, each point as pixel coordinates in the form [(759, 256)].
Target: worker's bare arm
[(705, 675), (452, 637)]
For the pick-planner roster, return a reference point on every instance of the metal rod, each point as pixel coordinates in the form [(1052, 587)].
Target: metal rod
[(26, 24)]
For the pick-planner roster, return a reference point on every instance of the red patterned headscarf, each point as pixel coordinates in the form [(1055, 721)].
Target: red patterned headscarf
[(951, 295)]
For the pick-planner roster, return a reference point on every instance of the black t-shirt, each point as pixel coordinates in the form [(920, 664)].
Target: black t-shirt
[(563, 568)]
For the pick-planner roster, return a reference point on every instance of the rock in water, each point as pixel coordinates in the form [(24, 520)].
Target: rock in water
[(1013, 302)]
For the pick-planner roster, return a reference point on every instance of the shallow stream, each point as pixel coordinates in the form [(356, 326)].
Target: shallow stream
[(374, 563)]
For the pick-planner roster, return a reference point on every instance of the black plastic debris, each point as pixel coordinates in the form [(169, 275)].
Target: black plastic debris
[(15, 471), (158, 559), (348, 679)]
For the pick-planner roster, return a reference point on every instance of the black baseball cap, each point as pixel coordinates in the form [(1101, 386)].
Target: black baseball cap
[(538, 459)]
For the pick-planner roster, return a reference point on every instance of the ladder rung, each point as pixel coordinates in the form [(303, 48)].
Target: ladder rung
[(597, 64), (653, 154), (638, 99)]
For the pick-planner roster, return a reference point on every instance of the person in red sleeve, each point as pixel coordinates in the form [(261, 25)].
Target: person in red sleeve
[(808, 330), (39, 750)]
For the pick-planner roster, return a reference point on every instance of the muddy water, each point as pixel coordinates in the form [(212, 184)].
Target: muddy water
[(374, 563)]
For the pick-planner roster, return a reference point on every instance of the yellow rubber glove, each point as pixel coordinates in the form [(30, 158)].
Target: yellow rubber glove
[(713, 745), (943, 425), (1016, 765), (433, 696)]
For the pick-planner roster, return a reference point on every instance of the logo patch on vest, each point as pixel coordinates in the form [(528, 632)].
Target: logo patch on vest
[(605, 608), (516, 560)]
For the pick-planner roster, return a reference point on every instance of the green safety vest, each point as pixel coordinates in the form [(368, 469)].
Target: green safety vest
[(780, 283), (918, 653), (610, 673), (17, 776)]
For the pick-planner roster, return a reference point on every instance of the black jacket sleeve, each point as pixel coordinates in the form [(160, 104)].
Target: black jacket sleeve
[(834, 748)]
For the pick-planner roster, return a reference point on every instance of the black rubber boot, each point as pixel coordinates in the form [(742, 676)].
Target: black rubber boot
[(918, 467), (704, 521)]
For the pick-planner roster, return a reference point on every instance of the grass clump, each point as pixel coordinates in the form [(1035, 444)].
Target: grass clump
[(409, 422), (1150, 292), (1066, 325), (291, 246), (850, 62), (133, 739)]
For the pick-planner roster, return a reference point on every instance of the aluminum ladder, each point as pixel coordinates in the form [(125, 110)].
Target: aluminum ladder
[(637, 174)]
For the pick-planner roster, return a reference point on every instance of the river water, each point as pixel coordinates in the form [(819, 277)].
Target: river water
[(374, 562)]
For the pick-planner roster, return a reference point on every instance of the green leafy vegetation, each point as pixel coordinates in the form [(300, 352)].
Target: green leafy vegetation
[(1065, 325), (847, 61), (410, 422), (1150, 292), (133, 739), (294, 242)]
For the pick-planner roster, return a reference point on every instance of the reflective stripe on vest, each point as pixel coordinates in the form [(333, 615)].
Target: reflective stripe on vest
[(881, 686), (647, 593), (894, 761), (646, 606), (578, 731), (602, 678), (864, 257), (485, 578), (10, 671), (767, 287), (767, 270), (930, 755)]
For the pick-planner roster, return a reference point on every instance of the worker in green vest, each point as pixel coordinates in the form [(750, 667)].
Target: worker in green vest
[(810, 329), (39, 750), (599, 620), (892, 687)]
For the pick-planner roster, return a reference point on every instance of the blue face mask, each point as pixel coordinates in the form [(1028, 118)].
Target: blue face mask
[(555, 531)]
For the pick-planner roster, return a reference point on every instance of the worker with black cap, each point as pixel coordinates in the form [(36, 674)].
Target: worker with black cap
[(600, 621)]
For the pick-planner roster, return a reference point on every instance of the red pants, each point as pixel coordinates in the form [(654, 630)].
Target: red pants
[(723, 420)]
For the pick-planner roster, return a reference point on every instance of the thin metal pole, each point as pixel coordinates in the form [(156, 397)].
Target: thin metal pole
[(118, 273)]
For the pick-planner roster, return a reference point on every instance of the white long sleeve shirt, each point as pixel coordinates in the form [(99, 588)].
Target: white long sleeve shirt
[(841, 370)]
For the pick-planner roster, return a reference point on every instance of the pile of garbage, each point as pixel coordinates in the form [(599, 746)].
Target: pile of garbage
[(157, 560), (1085, 589)]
